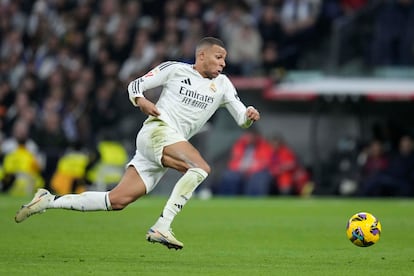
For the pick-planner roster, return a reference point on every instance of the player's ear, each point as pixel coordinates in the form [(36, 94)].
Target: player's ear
[(201, 54)]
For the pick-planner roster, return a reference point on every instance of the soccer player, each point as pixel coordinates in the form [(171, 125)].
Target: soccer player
[(190, 96)]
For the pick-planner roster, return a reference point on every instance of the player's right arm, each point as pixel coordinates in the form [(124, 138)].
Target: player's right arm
[(147, 107), (154, 78)]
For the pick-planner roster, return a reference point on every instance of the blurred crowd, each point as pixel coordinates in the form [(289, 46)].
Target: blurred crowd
[(64, 64), (380, 166), (261, 166)]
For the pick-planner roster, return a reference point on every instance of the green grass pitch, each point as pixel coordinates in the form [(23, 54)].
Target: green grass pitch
[(222, 236)]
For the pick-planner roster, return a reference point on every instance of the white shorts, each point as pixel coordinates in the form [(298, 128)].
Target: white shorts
[(150, 142)]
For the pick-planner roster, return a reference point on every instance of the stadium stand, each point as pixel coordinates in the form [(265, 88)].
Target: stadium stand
[(72, 60)]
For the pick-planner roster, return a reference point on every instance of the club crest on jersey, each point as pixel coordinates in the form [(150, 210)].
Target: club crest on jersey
[(213, 87)]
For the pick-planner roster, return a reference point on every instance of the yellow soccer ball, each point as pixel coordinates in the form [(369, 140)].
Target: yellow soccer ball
[(363, 229)]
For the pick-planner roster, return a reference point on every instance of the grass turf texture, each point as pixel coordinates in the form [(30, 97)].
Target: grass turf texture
[(234, 236)]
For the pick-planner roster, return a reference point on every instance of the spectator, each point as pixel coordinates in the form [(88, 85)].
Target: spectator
[(372, 160), (70, 171), (213, 17), (143, 53), (397, 178), (100, 58), (6, 101), (106, 20), (133, 14), (269, 25), (273, 36), (76, 115), (82, 14), (120, 45), (105, 110), (190, 21), (271, 60), (20, 106), (186, 50), (12, 44), (298, 19), (232, 21), (172, 46), (244, 58), (51, 141), (290, 178), (21, 136), (352, 6), (393, 38), (299, 16), (18, 20), (247, 172), (106, 164), (45, 56), (22, 162)]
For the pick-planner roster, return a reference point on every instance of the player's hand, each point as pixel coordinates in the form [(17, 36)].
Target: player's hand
[(147, 107), (252, 113)]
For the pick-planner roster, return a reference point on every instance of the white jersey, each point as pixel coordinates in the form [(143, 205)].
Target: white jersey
[(188, 100)]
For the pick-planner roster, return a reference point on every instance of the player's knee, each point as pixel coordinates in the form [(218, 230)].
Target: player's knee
[(119, 203), (206, 168)]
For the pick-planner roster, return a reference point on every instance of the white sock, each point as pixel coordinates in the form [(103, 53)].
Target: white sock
[(181, 193), (87, 201)]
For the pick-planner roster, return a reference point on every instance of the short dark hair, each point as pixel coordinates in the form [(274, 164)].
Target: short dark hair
[(209, 41)]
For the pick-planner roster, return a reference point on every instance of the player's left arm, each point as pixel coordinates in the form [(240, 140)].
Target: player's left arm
[(244, 116), (252, 113)]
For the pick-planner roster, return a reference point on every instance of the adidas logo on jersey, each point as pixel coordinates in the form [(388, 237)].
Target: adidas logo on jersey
[(186, 81)]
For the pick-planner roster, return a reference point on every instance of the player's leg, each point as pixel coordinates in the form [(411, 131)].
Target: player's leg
[(130, 188), (183, 157)]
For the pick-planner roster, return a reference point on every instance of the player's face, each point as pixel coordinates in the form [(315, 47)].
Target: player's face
[(214, 61)]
